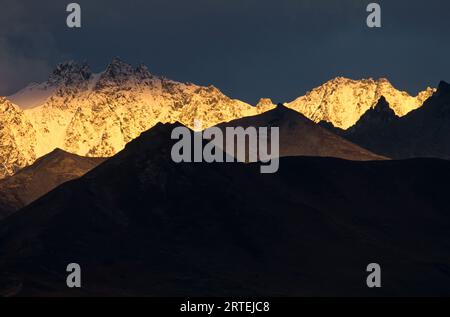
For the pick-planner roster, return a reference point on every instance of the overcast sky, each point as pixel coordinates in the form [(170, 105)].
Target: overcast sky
[(247, 48)]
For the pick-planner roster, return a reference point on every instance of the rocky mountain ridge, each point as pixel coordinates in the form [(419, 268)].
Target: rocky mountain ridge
[(424, 132), (342, 101), (95, 115)]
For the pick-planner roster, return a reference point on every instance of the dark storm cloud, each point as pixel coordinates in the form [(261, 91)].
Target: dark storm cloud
[(24, 47), (247, 48)]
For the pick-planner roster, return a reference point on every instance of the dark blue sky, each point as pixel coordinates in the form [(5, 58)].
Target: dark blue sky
[(247, 48)]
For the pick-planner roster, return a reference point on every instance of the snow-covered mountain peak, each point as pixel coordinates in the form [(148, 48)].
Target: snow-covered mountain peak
[(142, 72), (121, 75), (97, 114), (70, 73), (342, 101), (118, 68), (65, 79), (265, 104)]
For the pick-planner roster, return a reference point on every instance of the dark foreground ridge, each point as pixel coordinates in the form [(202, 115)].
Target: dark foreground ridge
[(140, 224), (39, 178), (300, 136)]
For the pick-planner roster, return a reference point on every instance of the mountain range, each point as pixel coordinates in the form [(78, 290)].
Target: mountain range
[(88, 178), (424, 132), (342, 101), (141, 225), (298, 136), (96, 114)]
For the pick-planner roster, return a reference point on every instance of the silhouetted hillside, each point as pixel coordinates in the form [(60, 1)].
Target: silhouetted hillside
[(300, 136), (35, 180), (140, 224)]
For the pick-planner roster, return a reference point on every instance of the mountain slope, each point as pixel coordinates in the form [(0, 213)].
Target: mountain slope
[(300, 136), (95, 115), (140, 224), (424, 132), (343, 101), (42, 176), (17, 139)]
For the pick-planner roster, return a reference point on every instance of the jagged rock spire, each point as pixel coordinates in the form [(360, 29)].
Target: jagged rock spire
[(70, 72)]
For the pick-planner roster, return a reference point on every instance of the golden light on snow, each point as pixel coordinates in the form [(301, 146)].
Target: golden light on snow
[(343, 101), (97, 114)]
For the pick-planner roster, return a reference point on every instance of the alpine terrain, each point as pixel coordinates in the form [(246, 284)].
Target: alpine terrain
[(140, 224), (95, 115), (424, 132), (343, 101), (298, 136)]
